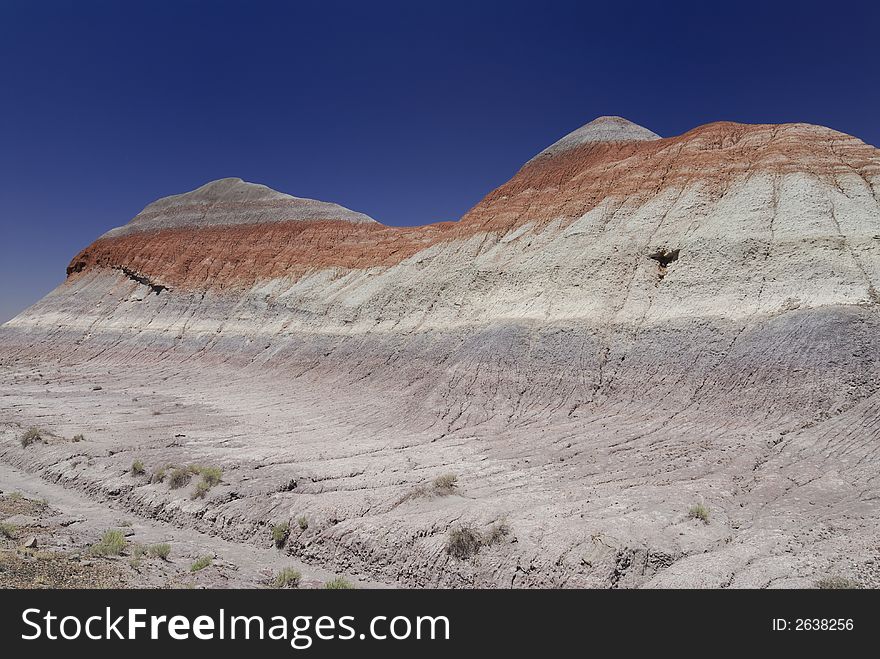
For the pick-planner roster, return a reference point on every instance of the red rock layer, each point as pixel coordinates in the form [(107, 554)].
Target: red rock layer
[(237, 256), (565, 185), (571, 183)]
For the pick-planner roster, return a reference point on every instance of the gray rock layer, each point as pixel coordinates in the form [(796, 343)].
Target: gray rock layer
[(588, 382)]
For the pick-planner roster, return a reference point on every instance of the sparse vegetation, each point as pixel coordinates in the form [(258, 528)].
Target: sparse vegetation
[(280, 533), (288, 578), (162, 550), (8, 530), (838, 583), (496, 533), (179, 477), (78, 438), (31, 436), (201, 563), (138, 551), (700, 512), (445, 484), (210, 475), (303, 522), (159, 475), (112, 543), (137, 468), (463, 542), (339, 584), (201, 490), (442, 486)]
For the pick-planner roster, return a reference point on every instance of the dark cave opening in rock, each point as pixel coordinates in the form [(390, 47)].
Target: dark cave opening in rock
[(664, 258)]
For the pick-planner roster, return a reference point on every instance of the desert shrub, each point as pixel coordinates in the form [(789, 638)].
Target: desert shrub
[(837, 583), (280, 533), (338, 584), (162, 550), (8, 530), (700, 512), (138, 550), (288, 578), (31, 436), (211, 475), (303, 522), (445, 484), (112, 543), (496, 533), (159, 475), (201, 490), (463, 542), (201, 563), (178, 478), (78, 438), (137, 468)]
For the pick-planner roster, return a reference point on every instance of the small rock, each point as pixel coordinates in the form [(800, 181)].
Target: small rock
[(30, 543)]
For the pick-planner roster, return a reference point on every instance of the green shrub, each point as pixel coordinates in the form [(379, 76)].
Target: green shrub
[(201, 490), (837, 583), (31, 436), (303, 522), (137, 468), (339, 584), (201, 563), (162, 550), (700, 512), (210, 475), (280, 533), (178, 478), (288, 578), (138, 551), (8, 530), (112, 543), (463, 542)]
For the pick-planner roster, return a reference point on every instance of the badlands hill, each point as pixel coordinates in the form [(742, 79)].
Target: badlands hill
[(629, 327)]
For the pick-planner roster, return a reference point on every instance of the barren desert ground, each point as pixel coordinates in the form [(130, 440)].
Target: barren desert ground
[(642, 362)]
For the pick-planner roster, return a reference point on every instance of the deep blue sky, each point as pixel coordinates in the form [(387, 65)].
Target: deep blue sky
[(405, 111)]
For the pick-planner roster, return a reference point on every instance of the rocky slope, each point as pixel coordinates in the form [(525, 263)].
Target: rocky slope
[(628, 327)]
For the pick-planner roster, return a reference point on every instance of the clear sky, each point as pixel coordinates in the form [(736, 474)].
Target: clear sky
[(407, 111)]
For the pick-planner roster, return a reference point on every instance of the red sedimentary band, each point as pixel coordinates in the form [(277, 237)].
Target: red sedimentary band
[(239, 255), (563, 186)]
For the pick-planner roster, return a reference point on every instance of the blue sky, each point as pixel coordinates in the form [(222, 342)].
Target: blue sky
[(407, 111)]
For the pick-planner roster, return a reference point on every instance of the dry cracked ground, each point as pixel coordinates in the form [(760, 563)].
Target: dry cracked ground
[(642, 362)]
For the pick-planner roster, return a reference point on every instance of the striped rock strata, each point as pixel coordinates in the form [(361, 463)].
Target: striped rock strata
[(629, 326)]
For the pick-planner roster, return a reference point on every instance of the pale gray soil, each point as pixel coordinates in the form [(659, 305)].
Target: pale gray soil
[(597, 500), (592, 396), (66, 523)]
